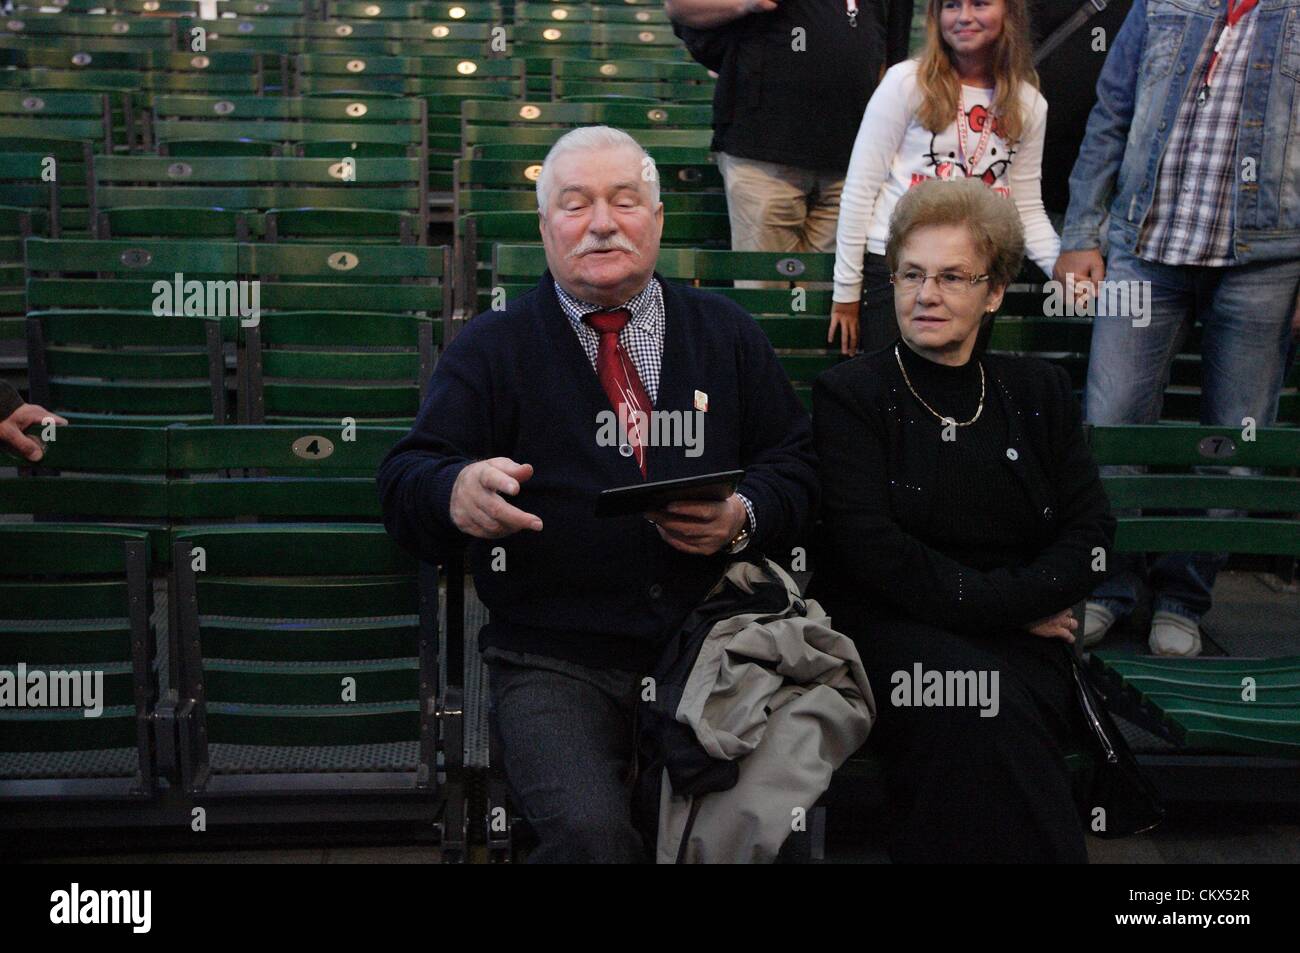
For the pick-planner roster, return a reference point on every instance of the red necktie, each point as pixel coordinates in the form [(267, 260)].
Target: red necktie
[(620, 380)]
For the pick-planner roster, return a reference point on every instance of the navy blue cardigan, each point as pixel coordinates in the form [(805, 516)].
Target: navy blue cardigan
[(517, 383)]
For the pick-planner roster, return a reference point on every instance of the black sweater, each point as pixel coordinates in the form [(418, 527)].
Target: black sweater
[(957, 534), (797, 98), (603, 592)]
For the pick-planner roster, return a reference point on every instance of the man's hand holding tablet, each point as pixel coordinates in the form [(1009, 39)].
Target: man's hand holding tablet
[(477, 507), (700, 527), (699, 515)]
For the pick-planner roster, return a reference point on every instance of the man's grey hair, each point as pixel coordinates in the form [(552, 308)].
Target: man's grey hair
[(587, 139)]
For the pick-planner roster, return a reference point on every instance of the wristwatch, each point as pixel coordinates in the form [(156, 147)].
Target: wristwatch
[(740, 540)]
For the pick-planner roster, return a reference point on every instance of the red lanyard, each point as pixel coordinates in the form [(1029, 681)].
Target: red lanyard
[(1235, 13), (851, 8), (961, 136)]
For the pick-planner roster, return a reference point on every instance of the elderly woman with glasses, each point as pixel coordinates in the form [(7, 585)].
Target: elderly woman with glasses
[(963, 517)]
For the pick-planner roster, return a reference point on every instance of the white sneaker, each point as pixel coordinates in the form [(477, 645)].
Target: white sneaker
[(1173, 634), (1097, 621)]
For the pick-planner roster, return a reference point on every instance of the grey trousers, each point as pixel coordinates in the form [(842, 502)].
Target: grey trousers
[(567, 748)]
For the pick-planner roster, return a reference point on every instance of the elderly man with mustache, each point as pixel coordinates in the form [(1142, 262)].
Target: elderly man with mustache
[(506, 459)]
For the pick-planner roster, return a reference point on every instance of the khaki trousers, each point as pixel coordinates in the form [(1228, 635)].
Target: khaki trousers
[(779, 207)]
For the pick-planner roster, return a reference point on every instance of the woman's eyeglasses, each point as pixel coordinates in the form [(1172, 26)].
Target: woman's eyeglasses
[(950, 282)]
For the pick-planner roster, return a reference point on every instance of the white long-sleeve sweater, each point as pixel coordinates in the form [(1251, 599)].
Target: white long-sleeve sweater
[(893, 151)]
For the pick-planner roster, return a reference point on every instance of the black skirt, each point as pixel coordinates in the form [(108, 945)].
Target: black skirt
[(966, 788)]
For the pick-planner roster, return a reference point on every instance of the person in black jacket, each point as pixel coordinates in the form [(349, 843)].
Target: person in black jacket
[(16, 416), (963, 518)]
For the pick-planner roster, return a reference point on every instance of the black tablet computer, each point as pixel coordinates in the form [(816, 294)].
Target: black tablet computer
[(643, 497)]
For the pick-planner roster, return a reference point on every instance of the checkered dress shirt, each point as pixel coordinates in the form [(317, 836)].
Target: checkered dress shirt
[(1190, 222), (642, 337)]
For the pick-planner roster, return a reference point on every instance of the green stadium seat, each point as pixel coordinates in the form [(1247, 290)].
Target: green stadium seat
[(164, 221), (631, 41), (532, 12), (346, 125), (465, 77), (566, 13), (794, 317), (1180, 448), (77, 600), (486, 120), (1201, 704), (104, 344), (1206, 705), (41, 115), (443, 83), (172, 7), (275, 472), (66, 7), (239, 9), (420, 10), (323, 350), (253, 34), (61, 27), (353, 225), (369, 366), (16, 225), (660, 80), (110, 476), (310, 651), (132, 76), (71, 167), (203, 148), (350, 37), (541, 43), (257, 185)]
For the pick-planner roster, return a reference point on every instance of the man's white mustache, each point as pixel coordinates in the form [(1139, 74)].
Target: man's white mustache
[(608, 244)]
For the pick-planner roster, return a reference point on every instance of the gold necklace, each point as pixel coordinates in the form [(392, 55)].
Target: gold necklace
[(942, 419)]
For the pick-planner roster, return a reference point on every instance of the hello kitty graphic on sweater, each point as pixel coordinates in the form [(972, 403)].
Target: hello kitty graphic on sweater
[(893, 152)]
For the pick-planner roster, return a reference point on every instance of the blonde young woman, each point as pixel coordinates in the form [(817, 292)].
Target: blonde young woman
[(967, 107)]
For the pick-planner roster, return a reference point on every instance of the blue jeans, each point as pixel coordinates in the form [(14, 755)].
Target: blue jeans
[(1245, 312)]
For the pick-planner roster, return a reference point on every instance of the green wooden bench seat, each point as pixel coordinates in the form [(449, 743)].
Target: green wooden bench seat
[(1204, 704), (76, 599), (256, 185), (664, 81), (98, 346), (443, 83)]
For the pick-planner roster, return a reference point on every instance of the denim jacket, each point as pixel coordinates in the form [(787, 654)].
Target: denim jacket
[(1147, 71)]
